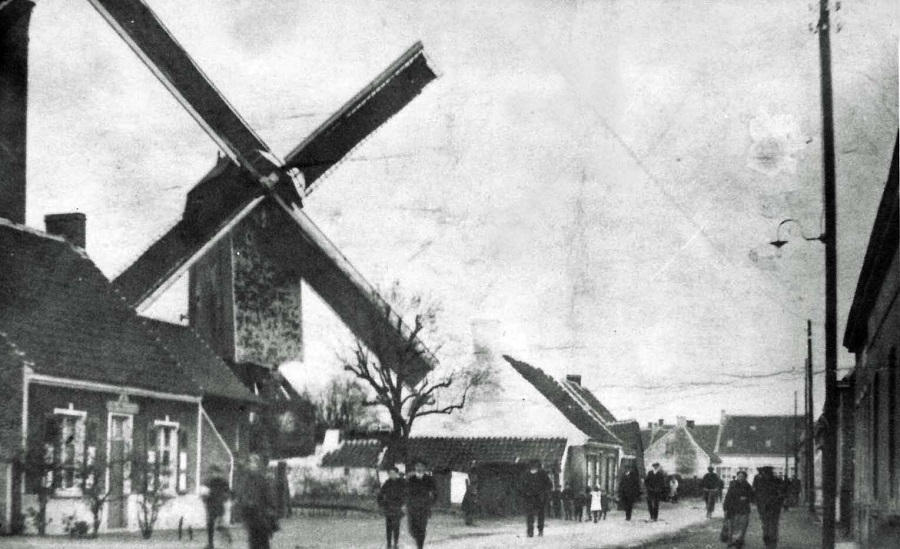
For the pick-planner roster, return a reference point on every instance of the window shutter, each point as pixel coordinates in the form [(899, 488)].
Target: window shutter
[(182, 461)]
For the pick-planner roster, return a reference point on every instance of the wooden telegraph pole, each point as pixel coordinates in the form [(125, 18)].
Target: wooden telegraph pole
[(829, 447)]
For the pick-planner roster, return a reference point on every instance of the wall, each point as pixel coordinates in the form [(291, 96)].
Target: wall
[(267, 289), (211, 299), (877, 483), (731, 464), (44, 399), (11, 372)]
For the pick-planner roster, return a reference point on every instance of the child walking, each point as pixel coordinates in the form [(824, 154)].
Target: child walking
[(596, 503)]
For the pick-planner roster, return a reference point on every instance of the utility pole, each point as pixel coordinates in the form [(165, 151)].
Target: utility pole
[(796, 443), (810, 479), (829, 413)]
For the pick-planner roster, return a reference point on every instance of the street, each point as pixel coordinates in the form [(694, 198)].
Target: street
[(798, 530), (445, 531)]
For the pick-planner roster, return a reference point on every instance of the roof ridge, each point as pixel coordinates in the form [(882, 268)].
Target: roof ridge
[(43, 234)]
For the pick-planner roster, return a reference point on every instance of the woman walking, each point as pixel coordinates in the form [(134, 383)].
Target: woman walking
[(737, 511)]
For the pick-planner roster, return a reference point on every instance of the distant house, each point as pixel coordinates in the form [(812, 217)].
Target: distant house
[(85, 380), (745, 443), (869, 473), (597, 446), (685, 448), (493, 464)]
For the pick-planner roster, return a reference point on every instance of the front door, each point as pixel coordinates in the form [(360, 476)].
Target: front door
[(119, 470)]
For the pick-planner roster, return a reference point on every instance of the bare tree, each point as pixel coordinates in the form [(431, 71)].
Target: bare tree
[(390, 370)]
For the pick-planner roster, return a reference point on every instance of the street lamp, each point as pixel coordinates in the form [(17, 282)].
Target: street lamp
[(778, 243), (829, 238)]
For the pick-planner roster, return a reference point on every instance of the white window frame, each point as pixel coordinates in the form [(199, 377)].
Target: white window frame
[(172, 476), (80, 417), (129, 447)]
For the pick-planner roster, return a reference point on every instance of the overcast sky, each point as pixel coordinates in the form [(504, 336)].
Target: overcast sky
[(600, 178)]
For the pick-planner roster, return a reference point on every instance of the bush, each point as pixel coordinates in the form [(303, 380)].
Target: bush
[(76, 528)]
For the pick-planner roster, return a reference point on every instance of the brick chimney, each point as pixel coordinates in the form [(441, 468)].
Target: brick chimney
[(681, 421), (690, 424), (574, 378), (15, 17), (71, 226)]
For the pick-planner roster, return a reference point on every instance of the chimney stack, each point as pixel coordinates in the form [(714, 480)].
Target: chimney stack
[(71, 226), (681, 421), (15, 17), (574, 378), (690, 424), (660, 423)]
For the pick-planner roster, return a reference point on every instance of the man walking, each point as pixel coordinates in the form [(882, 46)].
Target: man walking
[(656, 490), (535, 490), (769, 491), (257, 505), (737, 511), (216, 494), (568, 498), (629, 490), (421, 494), (391, 497), (710, 486)]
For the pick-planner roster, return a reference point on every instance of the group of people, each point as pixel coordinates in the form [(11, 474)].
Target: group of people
[(768, 492), (571, 504), (256, 504), (417, 492)]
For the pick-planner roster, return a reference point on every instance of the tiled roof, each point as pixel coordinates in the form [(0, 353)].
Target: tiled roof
[(705, 436), (579, 415), (757, 435), (461, 454), (591, 400), (629, 432), (209, 372), (355, 453), (884, 242), (58, 309)]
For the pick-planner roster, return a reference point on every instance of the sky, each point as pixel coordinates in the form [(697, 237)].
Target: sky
[(593, 184)]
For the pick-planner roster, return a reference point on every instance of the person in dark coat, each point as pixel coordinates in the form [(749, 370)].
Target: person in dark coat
[(217, 492), (391, 497), (769, 491), (737, 510), (657, 487), (556, 502), (579, 501), (421, 493), (534, 490), (710, 486), (629, 490), (470, 503), (568, 498), (257, 505)]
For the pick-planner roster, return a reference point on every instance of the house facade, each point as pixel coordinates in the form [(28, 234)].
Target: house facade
[(597, 445), (873, 336), (99, 400), (685, 448), (745, 443)]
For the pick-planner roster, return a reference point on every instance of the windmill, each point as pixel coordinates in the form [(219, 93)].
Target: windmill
[(250, 178)]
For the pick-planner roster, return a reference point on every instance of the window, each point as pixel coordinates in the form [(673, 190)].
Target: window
[(768, 443), (71, 448), (170, 456), (729, 443), (753, 427)]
